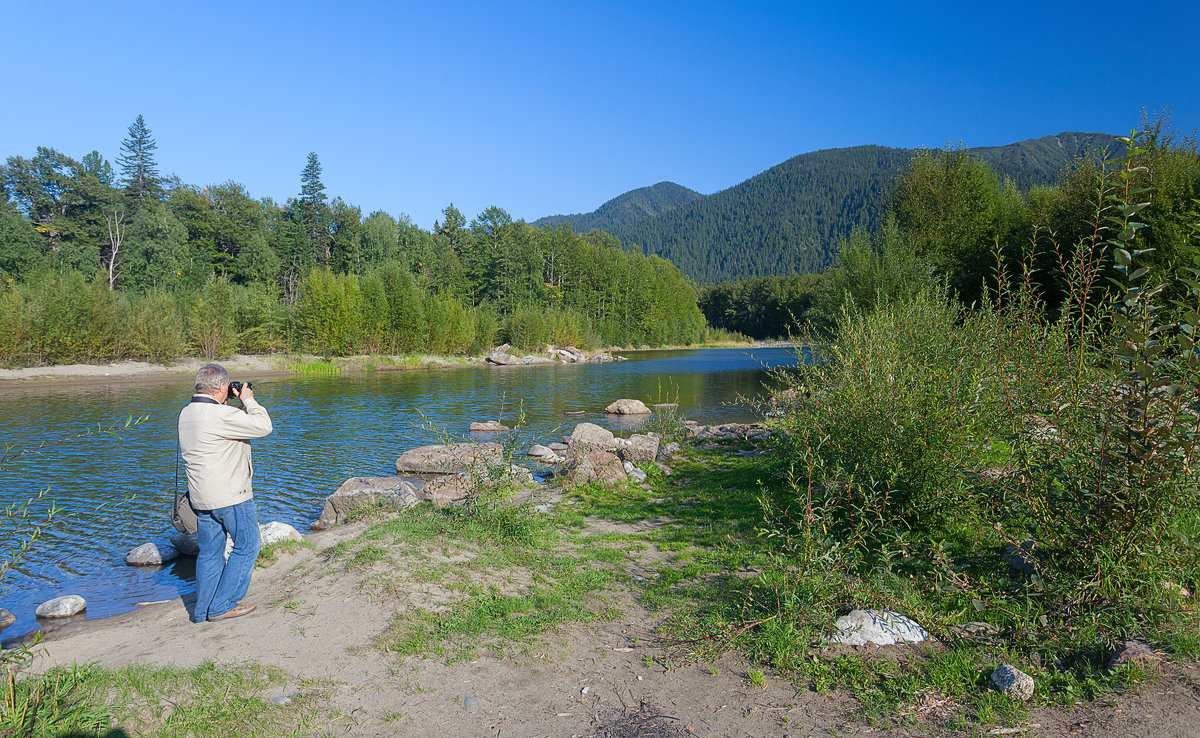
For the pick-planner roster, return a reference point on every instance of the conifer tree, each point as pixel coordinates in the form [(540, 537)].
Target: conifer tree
[(314, 209), (139, 172)]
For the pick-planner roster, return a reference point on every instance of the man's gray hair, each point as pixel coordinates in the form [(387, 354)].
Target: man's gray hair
[(210, 378)]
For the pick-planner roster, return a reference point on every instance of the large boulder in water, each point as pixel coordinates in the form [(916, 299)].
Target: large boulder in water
[(488, 426), (627, 407), (450, 458), (187, 544), (61, 607), (152, 554), (359, 492)]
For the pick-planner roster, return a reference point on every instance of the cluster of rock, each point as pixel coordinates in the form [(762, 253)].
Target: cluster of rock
[(157, 553), (728, 431), (500, 356)]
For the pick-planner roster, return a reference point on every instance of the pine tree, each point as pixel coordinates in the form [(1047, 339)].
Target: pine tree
[(139, 172), (314, 210)]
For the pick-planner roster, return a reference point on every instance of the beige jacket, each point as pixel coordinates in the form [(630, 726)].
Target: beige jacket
[(214, 443)]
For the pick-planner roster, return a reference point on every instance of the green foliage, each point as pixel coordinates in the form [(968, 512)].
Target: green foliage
[(209, 319), (765, 307), (791, 218)]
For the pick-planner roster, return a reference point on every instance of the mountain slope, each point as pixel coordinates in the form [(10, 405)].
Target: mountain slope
[(624, 209), (790, 218)]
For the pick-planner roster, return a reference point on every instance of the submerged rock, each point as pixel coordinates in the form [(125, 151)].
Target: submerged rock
[(61, 607), (488, 426), (359, 492), (1013, 683), (152, 554), (878, 627), (449, 458), (6, 618)]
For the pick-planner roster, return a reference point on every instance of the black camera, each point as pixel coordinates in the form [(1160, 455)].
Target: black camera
[(235, 388)]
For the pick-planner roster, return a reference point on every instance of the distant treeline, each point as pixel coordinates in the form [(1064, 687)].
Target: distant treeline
[(948, 214), (100, 263)]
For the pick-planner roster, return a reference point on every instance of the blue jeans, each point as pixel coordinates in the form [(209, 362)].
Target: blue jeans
[(221, 584)]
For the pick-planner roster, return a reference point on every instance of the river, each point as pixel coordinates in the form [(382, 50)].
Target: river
[(113, 489)]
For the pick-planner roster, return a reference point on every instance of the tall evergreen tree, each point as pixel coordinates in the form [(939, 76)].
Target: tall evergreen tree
[(139, 172), (314, 210)]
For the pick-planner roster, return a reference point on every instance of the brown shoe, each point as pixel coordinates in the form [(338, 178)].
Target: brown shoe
[(236, 612)]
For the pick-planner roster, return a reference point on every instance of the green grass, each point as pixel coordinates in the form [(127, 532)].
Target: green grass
[(268, 554), (161, 701)]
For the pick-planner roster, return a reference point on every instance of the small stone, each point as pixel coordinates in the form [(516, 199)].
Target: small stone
[(878, 627), (470, 701), (1176, 590), (639, 677), (1013, 683), (1133, 652), (6, 618), (628, 466), (637, 476), (583, 691), (545, 507), (283, 699), (62, 607), (275, 532), (151, 554), (539, 450), (558, 446), (187, 544)]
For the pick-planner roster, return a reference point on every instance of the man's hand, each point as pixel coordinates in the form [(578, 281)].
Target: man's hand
[(246, 394)]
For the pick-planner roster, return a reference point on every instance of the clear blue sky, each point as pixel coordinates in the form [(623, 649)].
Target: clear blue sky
[(545, 108)]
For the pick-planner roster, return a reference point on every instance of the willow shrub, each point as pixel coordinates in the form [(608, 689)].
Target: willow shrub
[(531, 328), (211, 330), (152, 328), (1030, 467)]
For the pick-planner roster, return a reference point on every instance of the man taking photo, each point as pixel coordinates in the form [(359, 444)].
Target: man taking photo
[(214, 443)]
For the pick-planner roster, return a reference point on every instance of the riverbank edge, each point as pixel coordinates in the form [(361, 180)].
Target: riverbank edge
[(271, 365)]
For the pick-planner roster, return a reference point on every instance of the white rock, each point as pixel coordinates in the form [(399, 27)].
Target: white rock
[(151, 554), (880, 627), (627, 407), (62, 607), (1013, 683), (539, 450), (275, 532), (637, 476)]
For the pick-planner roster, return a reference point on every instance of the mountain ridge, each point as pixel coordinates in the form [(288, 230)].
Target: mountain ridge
[(789, 219)]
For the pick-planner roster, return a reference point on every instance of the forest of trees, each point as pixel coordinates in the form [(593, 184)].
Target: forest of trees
[(85, 243), (949, 215), (791, 218)]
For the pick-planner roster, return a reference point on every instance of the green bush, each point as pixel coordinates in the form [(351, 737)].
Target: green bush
[(153, 329), (211, 329)]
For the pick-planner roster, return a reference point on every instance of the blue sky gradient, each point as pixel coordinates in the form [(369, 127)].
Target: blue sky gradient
[(546, 108)]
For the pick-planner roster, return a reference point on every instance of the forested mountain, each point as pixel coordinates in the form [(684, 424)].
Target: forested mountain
[(644, 202), (790, 218)]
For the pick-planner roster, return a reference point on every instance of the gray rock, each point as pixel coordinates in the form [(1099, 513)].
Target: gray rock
[(187, 544), (6, 618), (599, 467), (637, 476), (1133, 652), (1013, 683), (539, 450), (591, 437), (1021, 559), (642, 449), (284, 699), (449, 458), (667, 451), (627, 407), (359, 492), (62, 607), (470, 701), (451, 489), (880, 627), (276, 532), (488, 426), (558, 446), (152, 554)]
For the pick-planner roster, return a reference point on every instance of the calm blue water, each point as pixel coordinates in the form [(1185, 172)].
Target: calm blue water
[(114, 489)]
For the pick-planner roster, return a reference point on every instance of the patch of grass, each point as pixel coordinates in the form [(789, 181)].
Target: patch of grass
[(269, 553), (490, 617), (755, 678), (367, 555), (204, 701), (297, 365)]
